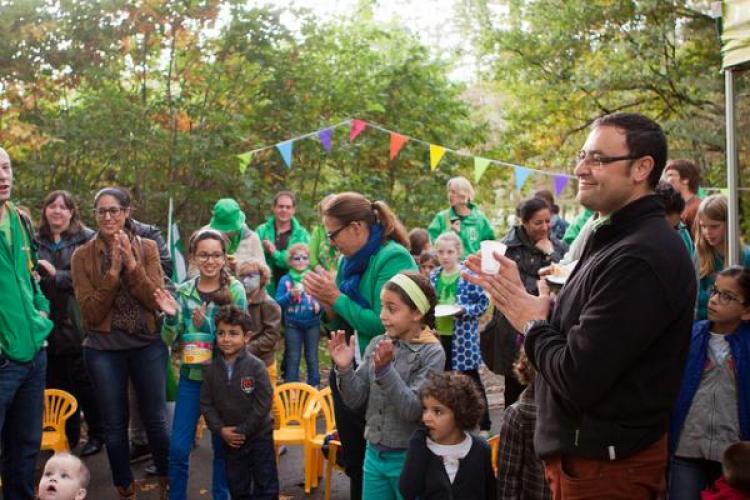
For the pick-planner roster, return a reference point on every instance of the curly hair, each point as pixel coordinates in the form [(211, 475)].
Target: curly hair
[(459, 393), (234, 316)]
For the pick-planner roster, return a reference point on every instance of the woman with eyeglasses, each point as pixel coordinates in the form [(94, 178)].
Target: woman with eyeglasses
[(60, 233), (374, 248), (115, 276), (711, 248), (189, 323)]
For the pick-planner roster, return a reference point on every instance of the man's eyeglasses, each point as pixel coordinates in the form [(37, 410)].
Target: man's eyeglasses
[(724, 297), (101, 213), (331, 235), (597, 160), (205, 257), (300, 258)]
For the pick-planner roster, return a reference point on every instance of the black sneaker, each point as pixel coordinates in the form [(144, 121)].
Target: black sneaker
[(139, 452), (150, 469), (92, 447)]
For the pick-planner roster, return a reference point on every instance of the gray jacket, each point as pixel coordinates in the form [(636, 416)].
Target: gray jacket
[(393, 404)]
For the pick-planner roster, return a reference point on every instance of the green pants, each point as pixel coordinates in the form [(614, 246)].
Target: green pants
[(381, 472)]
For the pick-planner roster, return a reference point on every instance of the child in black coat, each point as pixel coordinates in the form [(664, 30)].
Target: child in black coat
[(444, 461)]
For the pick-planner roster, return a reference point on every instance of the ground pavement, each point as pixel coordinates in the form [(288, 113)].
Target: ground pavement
[(291, 474)]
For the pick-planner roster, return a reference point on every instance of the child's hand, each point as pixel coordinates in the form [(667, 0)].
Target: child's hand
[(342, 352), (383, 354), (199, 316), (230, 437)]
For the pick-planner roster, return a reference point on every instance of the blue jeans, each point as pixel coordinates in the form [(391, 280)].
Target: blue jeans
[(186, 414), (689, 476), (295, 337), (109, 372), (21, 408), (252, 471)]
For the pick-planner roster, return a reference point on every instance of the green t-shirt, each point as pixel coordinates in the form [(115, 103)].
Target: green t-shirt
[(446, 290)]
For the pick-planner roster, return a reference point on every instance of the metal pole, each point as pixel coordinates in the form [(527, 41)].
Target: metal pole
[(732, 256)]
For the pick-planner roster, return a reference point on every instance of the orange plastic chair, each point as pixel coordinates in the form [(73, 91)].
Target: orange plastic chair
[(58, 408), (494, 443), (333, 450), (289, 403), (323, 403)]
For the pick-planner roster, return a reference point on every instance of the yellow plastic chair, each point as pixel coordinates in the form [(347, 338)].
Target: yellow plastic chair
[(58, 408), (323, 403), (289, 403), (333, 450), (494, 443)]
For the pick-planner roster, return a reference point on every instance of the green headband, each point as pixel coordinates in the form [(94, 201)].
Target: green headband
[(412, 291)]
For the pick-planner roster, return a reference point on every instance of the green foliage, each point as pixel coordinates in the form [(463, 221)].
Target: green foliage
[(161, 96)]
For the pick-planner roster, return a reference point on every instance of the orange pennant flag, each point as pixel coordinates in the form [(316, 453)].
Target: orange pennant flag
[(397, 142)]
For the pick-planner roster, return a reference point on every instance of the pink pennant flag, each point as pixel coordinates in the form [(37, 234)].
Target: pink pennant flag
[(358, 126), (397, 142)]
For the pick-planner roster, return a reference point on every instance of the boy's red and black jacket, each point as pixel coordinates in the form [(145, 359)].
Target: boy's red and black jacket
[(739, 346), (244, 400), (610, 361)]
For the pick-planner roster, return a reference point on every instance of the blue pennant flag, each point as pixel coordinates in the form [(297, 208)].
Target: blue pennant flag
[(521, 175), (285, 149)]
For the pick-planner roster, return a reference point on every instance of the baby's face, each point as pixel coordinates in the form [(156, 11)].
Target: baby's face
[(61, 480)]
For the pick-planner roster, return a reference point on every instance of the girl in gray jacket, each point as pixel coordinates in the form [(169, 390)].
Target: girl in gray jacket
[(388, 381)]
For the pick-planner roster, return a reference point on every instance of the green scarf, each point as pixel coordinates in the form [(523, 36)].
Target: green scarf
[(297, 275)]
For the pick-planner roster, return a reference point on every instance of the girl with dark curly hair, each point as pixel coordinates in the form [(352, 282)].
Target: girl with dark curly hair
[(444, 460)]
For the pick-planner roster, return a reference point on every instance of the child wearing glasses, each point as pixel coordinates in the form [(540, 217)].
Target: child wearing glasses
[(301, 317), (713, 408)]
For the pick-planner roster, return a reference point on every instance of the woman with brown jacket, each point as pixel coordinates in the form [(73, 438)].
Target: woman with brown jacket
[(115, 276)]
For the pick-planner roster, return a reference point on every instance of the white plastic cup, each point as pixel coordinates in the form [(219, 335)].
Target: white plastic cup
[(488, 248)]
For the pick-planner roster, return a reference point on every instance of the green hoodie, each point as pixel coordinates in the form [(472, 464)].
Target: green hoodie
[(475, 228), (23, 330), (278, 260)]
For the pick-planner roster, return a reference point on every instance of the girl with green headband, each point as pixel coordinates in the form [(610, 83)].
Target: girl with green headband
[(387, 383)]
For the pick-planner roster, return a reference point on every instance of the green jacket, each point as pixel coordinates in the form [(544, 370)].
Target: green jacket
[(390, 260), (23, 330), (321, 251), (189, 299), (475, 228), (572, 232), (278, 260)]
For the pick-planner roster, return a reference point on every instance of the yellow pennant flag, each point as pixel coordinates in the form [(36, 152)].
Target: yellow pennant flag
[(480, 166), (436, 154)]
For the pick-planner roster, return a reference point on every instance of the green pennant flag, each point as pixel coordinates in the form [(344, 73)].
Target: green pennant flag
[(480, 167), (245, 160)]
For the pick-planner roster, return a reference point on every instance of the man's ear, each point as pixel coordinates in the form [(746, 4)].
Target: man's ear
[(642, 169)]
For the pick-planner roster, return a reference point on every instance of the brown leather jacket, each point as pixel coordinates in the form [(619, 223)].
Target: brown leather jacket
[(96, 291), (266, 330)]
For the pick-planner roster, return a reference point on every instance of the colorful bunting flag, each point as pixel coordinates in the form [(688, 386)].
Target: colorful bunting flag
[(244, 160), (724, 191), (285, 148), (480, 166), (358, 126), (436, 154), (560, 182), (397, 142), (521, 175), (325, 137)]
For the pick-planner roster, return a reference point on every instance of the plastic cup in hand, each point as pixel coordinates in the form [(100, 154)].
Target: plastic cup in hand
[(488, 248)]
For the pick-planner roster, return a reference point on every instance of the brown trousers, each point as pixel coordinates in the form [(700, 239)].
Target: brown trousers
[(641, 476)]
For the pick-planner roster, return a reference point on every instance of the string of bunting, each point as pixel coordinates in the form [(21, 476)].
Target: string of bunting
[(397, 143)]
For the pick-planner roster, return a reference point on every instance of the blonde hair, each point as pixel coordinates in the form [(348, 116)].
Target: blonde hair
[(713, 207), (451, 237), (462, 185), (296, 248)]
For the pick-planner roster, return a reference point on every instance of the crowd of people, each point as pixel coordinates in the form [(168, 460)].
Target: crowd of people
[(627, 379)]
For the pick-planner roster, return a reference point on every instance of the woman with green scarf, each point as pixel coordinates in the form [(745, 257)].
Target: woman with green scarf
[(301, 317)]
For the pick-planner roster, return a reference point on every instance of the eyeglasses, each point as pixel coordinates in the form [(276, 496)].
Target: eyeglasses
[(724, 297), (101, 213), (331, 235), (597, 160), (300, 258), (205, 257)]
